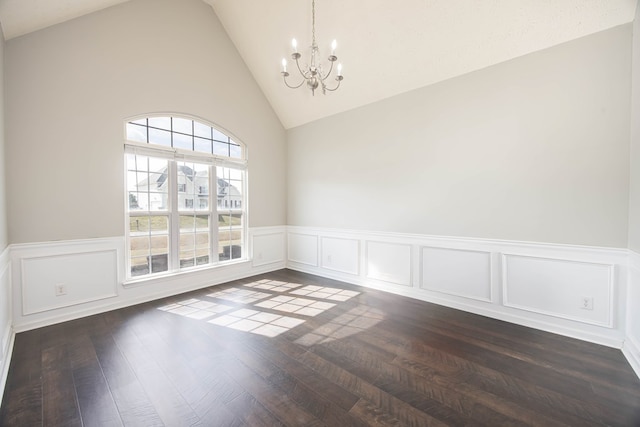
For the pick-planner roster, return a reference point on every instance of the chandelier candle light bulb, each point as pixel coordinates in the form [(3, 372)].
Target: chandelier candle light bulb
[(313, 74)]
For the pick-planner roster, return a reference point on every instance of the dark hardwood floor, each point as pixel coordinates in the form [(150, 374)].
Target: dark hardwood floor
[(288, 348)]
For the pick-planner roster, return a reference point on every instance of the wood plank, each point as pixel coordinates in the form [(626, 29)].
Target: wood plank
[(374, 360)]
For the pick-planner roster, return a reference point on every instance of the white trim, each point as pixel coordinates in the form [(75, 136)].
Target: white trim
[(505, 290), (7, 335), (328, 265), (27, 310), (290, 259), (631, 350), (491, 274), (385, 277), (268, 231)]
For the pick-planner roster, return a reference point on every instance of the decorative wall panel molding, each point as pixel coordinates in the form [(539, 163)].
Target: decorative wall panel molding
[(389, 262), (303, 249), (568, 289), (457, 272), (341, 255), (268, 247), (56, 281)]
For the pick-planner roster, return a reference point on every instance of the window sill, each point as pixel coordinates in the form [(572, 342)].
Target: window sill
[(161, 277)]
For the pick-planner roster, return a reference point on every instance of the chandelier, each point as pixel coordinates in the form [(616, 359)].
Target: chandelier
[(313, 74)]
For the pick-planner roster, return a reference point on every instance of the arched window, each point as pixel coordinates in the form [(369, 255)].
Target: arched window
[(186, 195)]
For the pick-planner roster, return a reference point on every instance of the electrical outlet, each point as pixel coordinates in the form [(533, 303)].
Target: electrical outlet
[(259, 255), (328, 259), (60, 289), (586, 303)]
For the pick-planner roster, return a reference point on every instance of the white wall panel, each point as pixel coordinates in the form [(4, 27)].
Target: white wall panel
[(557, 288), (268, 248), (341, 255), (6, 318), (457, 272), (389, 262), (632, 337), (88, 276), (303, 249)]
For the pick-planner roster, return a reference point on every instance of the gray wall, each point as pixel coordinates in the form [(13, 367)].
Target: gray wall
[(4, 239), (533, 149), (70, 87), (634, 191)]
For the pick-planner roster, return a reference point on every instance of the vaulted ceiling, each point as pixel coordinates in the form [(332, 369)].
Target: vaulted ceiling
[(386, 47)]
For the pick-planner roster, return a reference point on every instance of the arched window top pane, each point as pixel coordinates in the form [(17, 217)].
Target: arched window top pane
[(185, 134)]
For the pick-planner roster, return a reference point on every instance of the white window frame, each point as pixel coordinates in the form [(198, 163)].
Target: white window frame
[(174, 211)]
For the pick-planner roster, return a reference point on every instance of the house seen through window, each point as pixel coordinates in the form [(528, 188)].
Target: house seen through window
[(174, 221)]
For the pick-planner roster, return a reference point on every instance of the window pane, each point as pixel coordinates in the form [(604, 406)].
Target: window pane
[(235, 151), (184, 142), (160, 137), (136, 133), (133, 201), (159, 244), (221, 148), (138, 223), (159, 223), (187, 241), (160, 122), (143, 201), (139, 266), (142, 122), (187, 223), (202, 130), (158, 201), (139, 245), (202, 240), (187, 259), (202, 222), (158, 165), (182, 125), (219, 136), (202, 145), (159, 263)]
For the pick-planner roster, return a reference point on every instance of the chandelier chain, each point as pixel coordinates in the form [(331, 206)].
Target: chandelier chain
[(313, 23)]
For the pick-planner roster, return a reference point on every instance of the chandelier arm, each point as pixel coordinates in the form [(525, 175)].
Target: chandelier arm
[(328, 73), (292, 87), (335, 88), (305, 75)]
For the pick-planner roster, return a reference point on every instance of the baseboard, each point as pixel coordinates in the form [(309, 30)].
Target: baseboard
[(631, 351), (6, 362), (531, 284)]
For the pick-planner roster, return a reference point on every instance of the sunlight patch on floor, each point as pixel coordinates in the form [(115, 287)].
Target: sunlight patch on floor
[(263, 297), (356, 320)]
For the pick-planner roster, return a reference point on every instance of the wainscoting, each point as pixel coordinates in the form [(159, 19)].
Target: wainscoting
[(58, 281), (6, 330), (631, 347), (571, 290)]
